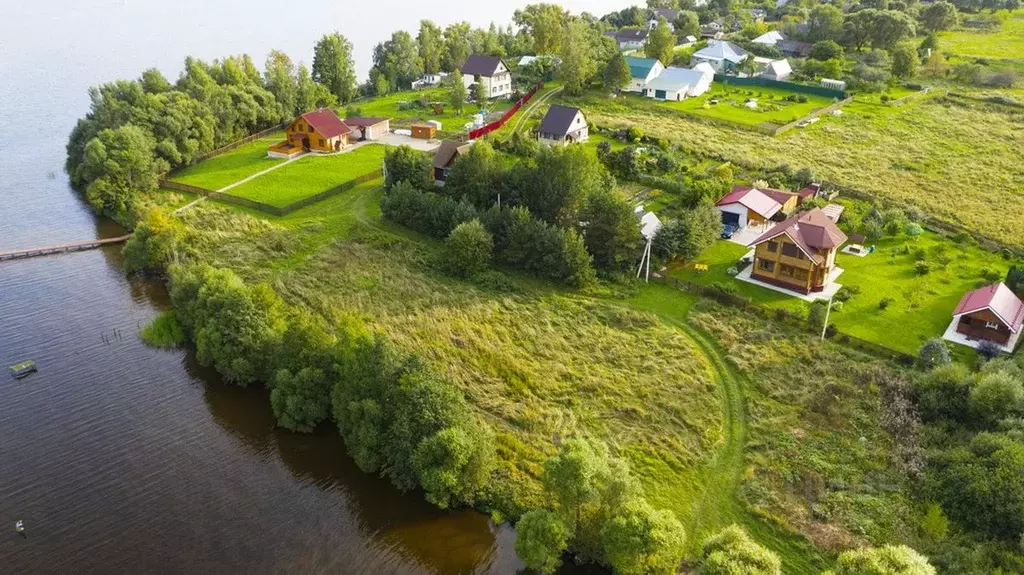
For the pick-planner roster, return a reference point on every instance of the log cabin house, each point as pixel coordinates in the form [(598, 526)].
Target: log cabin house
[(319, 131), (992, 313), (798, 254)]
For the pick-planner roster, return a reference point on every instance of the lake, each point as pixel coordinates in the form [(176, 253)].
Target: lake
[(121, 458)]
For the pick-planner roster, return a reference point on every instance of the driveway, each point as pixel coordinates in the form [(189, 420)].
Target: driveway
[(750, 233), (393, 139)]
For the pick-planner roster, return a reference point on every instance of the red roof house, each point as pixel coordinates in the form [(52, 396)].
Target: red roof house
[(992, 313), (318, 131), (799, 253), (745, 205)]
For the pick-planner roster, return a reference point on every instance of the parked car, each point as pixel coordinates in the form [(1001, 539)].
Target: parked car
[(727, 231)]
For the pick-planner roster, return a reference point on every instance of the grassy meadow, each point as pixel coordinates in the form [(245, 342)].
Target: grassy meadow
[(451, 121), (957, 161), (773, 108), (229, 167), (919, 306), (1005, 43), (310, 175)]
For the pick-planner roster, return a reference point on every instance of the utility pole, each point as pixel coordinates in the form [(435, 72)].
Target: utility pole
[(827, 311)]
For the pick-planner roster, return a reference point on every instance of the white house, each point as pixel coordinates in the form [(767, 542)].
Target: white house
[(428, 80), (745, 205), (722, 56), (668, 14), (777, 70), (642, 71), (678, 84), (629, 38), (489, 71), (563, 125), (770, 38)]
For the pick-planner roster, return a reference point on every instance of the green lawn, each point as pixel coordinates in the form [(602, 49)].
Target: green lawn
[(388, 107), (772, 106), (1005, 43), (310, 175), (894, 93), (229, 167), (920, 305)]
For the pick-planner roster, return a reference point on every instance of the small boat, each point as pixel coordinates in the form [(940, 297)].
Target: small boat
[(19, 526), (20, 370)]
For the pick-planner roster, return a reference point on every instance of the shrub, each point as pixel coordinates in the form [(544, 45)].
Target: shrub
[(888, 560), (541, 538), (470, 248), (884, 97), (922, 268), (163, 331), (641, 539), (816, 315), (996, 396), (406, 164), (634, 134), (913, 230), (933, 353), (944, 393), (934, 524), (732, 551), (884, 303), (989, 350)]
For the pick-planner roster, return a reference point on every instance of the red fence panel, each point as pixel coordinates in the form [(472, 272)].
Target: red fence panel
[(497, 124)]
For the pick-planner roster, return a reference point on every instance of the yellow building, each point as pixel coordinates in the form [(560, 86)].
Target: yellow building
[(317, 131), (799, 253)]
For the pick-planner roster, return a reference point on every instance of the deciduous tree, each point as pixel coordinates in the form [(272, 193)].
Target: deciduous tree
[(641, 540), (616, 72), (430, 46), (545, 24), (333, 66), (888, 560), (661, 43), (578, 66), (905, 61), (939, 16), (825, 23), (541, 539), (731, 551), (279, 75), (470, 247)]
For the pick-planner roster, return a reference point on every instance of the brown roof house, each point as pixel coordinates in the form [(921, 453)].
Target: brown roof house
[(317, 131), (369, 129), (490, 71), (799, 255), (992, 313), (563, 125), (445, 157)]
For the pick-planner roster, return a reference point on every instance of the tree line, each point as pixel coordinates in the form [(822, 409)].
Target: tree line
[(137, 130)]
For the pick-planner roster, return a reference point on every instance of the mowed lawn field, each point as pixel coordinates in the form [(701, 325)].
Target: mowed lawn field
[(919, 305), (310, 175), (1005, 43), (230, 167), (960, 162), (451, 121), (773, 108)]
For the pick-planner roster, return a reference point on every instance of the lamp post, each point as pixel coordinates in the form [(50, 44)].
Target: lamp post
[(827, 311)]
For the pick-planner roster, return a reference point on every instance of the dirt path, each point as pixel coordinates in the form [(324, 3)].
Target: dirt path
[(532, 107)]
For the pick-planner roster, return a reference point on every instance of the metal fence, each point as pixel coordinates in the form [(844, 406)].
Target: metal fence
[(497, 124)]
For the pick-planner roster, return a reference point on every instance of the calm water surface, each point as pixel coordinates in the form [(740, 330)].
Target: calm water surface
[(121, 458)]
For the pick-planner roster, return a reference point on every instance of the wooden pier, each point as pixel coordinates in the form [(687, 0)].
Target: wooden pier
[(62, 248)]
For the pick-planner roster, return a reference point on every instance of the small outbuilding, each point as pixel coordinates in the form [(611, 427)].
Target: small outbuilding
[(424, 131), (992, 313), (445, 157), (563, 125), (675, 84), (745, 205), (369, 128)]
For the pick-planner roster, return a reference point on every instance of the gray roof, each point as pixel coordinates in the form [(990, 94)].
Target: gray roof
[(478, 65), (674, 79), (631, 35), (722, 51), (558, 120), (667, 13)]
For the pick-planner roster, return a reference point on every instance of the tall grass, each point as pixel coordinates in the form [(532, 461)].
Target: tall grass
[(163, 332)]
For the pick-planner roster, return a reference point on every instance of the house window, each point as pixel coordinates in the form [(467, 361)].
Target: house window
[(321, 141), (793, 272), (991, 325), (965, 320), (773, 247), (766, 265), (790, 250), (311, 129)]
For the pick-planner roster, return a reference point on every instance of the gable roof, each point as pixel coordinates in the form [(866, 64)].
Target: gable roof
[(794, 47), (479, 65), (326, 122), (998, 299), (777, 195), (558, 120), (631, 35), (640, 67), (770, 37), (447, 152), (704, 67), (667, 13), (811, 231), (364, 122), (779, 68), (674, 79), (722, 51), (752, 199)]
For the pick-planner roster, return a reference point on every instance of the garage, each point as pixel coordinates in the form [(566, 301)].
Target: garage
[(731, 219), (659, 94)]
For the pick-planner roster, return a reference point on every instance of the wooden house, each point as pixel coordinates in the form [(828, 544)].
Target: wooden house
[(317, 131), (491, 72), (799, 253), (445, 157), (993, 313)]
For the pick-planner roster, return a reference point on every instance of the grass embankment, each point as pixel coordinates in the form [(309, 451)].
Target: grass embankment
[(227, 168), (919, 305), (960, 163), (310, 175), (536, 362), (772, 106)]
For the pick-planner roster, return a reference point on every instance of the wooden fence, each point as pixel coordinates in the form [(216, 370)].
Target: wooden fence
[(497, 124), (267, 208), (227, 148), (783, 316)]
